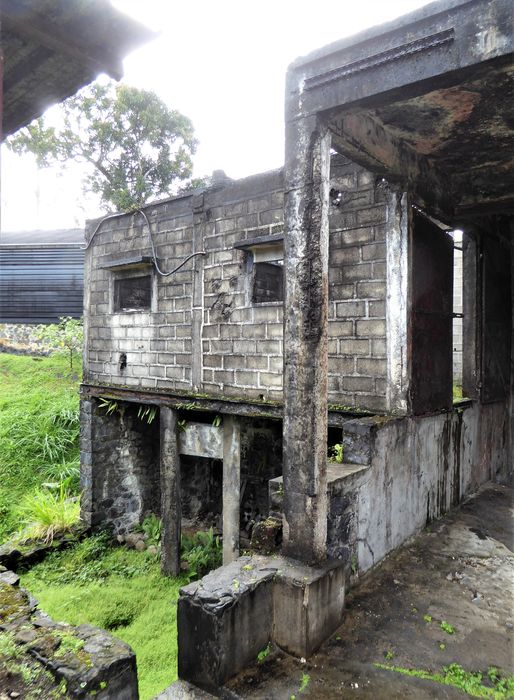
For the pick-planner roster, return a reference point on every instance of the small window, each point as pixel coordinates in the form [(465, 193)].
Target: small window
[(133, 293), (268, 282)]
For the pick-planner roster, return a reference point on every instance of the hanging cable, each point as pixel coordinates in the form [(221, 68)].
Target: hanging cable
[(154, 255), (152, 245)]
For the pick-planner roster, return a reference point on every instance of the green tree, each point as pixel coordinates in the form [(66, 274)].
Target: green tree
[(135, 148), (66, 337)]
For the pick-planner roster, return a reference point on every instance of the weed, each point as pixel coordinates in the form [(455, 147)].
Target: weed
[(147, 413), (39, 431), (389, 654), (335, 453), (427, 618), (442, 646), (469, 682), (108, 405), (8, 647), (217, 421), (446, 627), (306, 679), (45, 514), (264, 653), (355, 564)]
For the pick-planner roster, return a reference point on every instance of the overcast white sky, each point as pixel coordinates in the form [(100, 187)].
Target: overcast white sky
[(222, 64)]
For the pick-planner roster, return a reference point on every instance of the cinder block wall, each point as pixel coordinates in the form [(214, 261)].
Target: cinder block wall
[(204, 334)]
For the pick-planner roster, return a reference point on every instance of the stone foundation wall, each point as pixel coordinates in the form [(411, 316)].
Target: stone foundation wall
[(123, 487)]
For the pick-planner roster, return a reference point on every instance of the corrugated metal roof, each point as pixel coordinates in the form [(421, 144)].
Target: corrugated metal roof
[(39, 237)]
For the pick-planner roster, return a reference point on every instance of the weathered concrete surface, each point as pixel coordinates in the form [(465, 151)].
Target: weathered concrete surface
[(233, 613), (231, 487), (420, 467), (460, 570), (224, 620), (307, 172), (308, 604)]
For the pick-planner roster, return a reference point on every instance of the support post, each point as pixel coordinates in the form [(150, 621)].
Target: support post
[(170, 493), (397, 301), (231, 487), (307, 174)]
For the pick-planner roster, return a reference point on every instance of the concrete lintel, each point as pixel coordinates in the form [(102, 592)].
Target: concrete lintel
[(170, 493), (201, 440), (231, 487)]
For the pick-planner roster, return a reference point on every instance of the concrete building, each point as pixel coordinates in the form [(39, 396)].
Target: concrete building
[(308, 308)]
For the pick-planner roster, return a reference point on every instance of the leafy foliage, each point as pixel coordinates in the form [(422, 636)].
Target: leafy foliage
[(202, 552), (152, 526), (135, 147), (67, 336)]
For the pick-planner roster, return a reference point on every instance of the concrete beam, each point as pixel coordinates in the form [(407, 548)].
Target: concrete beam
[(231, 487), (170, 493), (365, 141), (307, 174)]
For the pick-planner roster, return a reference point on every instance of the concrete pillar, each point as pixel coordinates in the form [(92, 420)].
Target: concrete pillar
[(397, 301), (231, 487), (86, 461), (307, 173), (170, 493)]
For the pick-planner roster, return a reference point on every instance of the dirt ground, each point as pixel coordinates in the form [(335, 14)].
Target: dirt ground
[(459, 571)]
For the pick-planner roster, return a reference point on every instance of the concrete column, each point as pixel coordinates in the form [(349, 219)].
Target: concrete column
[(307, 174), (397, 301), (86, 461), (231, 487), (170, 493)]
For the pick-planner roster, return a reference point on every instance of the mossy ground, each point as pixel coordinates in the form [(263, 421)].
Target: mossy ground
[(120, 590)]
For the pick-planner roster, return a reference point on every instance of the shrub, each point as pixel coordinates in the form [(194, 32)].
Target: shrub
[(202, 552)]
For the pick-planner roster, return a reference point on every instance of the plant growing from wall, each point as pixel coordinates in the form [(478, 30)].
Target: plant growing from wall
[(335, 453), (65, 337)]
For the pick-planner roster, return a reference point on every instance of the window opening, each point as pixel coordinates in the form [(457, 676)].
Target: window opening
[(133, 293)]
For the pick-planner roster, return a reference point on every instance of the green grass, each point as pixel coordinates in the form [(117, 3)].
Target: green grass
[(116, 589), (498, 688), (39, 429)]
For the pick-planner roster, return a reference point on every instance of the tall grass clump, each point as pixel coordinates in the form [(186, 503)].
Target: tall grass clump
[(48, 512), (39, 432)]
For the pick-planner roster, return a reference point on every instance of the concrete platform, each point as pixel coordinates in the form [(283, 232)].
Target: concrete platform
[(460, 570)]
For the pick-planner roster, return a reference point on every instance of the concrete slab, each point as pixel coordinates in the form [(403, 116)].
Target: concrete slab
[(460, 570)]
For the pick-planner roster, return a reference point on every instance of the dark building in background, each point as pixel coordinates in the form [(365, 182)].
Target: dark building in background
[(41, 275)]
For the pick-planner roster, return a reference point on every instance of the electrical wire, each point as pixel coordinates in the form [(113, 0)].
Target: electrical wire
[(152, 245)]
